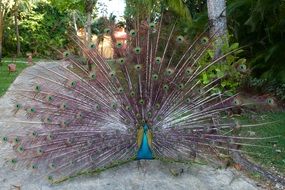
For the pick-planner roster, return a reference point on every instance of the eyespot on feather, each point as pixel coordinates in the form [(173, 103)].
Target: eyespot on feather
[(133, 33)]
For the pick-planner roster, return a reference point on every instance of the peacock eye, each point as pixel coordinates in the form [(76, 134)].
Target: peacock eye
[(49, 136), (155, 77), (64, 106), (92, 75), (120, 90), (204, 40), (49, 98), (138, 67), (137, 50), (132, 94), (40, 151), (5, 139), (133, 33), (242, 68), (119, 45), (37, 88), (73, 84), (165, 87), (181, 86), (34, 166), (52, 166), (158, 60), (66, 54), (169, 72), (14, 161), (151, 25), (157, 105), (34, 134), (92, 46), (121, 61), (270, 101), (107, 30), (141, 101), (112, 74), (97, 107), (128, 108), (159, 118), (180, 39), (50, 178), (79, 115), (114, 106), (20, 149), (18, 106), (188, 71), (188, 100), (32, 110), (236, 102), (17, 140)]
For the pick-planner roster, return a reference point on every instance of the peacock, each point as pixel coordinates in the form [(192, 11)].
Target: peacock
[(150, 101)]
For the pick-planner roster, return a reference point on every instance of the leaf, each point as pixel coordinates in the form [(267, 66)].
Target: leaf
[(205, 78), (234, 46)]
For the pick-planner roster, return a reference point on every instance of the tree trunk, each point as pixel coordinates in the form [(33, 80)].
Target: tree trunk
[(1, 35), (217, 17), (17, 33), (74, 22), (89, 33), (217, 23)]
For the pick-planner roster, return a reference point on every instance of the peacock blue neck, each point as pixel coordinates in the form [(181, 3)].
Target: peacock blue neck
[(145, 152)]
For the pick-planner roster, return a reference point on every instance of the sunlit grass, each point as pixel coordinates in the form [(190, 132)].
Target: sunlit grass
[(6, 78)]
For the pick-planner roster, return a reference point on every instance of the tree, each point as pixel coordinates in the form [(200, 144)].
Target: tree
[(19, 5), (143, 8), (218, 23), (260, 24), (86, 6), (217, 17), (89, 6), (5, 8)]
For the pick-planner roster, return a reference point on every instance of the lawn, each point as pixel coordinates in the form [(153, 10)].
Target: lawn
[(6, 78), (272, 155)]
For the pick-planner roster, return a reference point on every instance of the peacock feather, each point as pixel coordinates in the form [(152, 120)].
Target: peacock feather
[(149, 102)]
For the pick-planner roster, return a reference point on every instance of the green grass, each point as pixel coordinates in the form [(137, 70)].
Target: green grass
[(274, 155), (6, 78)]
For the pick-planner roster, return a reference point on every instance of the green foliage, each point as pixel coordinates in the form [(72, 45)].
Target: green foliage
[(227, 68), (261, 24), (68, 5), (265, 86), (42, 29), (143, 8)]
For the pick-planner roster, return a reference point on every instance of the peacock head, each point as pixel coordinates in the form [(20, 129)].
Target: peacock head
[(145, 127)]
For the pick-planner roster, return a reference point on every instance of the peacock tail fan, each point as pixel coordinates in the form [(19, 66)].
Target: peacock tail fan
[(150, 101)]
